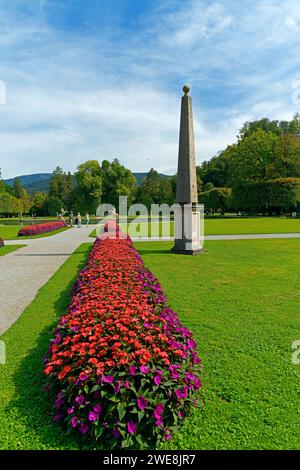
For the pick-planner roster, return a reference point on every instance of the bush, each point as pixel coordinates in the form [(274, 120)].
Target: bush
[(216, 199), (38, 229), (1, 242), (277, 195), (121, 367), (9, 205)]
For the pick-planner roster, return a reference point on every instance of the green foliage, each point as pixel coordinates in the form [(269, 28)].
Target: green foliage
[(216, 199), (277, 195), (39, 201), (276, 127), (89, 186), (9, 205), (54, 205), (61, 187), (156, 189), (117, 181)]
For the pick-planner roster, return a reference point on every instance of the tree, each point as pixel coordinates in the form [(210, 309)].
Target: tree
[(117, 181), (216, 199), (89, 186), (251, 157), (61, 186), (286, 158), (9, 205), (54, 205), (39, 201), (215, 171)]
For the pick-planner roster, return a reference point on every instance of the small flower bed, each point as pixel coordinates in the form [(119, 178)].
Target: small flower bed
[(1, 242), (38, 229), (121, 367)]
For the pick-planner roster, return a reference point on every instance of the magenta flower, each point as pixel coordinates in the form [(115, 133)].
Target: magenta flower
[(70, 410), (142, 403), (93, 416), (79, 400), (132, 427), (74, 422), (158, 411), (159, 421), (157, 379), (117, 387), (83, 428), (109, 379), (144, 369), (83, 376), (132, 370), (97, 409)]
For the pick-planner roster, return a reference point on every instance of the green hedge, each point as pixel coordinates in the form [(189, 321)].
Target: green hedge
[(276, 195), (216, 199)]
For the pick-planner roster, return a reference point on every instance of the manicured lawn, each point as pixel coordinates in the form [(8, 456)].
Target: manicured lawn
[(239, 226), (240, 298), (4, 250), (10, 232), (218, 226)]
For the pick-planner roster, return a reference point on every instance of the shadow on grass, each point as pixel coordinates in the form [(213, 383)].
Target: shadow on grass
[(31, 403)]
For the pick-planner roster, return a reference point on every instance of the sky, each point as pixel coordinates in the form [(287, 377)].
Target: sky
[(102, 79)]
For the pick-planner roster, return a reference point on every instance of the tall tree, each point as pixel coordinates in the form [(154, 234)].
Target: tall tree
[(117, 181), (89, 186)]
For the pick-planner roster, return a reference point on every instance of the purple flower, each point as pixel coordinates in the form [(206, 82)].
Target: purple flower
[(109, 379), (97, 408), (182, 393), (117, 387), (74, 422), (93, 416), (142, 403), (116, 434), (70, 411), (168, 437), (127, 384), (157, 379), (158, 411), (144, 369), (79, 400), (159, 421), (83, 376), (132, 370), (132, 427), (191, 344), (83, 428)]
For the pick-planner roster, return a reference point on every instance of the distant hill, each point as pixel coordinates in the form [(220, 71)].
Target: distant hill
[(33, 183), (40, 181)]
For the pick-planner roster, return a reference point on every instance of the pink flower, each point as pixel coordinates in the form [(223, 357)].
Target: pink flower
[(83, 428), (144, 369), (157, 379), (97, 409), (108, 379), (132, 427), (74, 422), (132, 370), (158, 411), (93, 416), (142, 403), (159, 421), (70, 410)]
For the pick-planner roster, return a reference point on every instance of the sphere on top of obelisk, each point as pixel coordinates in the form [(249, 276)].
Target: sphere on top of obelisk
[(186, 89)]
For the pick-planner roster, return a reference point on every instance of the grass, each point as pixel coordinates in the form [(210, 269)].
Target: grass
[(219, 226), (10, 232), (4, 250), (241, 300)]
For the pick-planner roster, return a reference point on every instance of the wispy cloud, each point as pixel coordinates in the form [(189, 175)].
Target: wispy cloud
[(89, 82)]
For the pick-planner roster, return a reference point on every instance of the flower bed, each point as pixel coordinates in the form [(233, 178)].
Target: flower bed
[(121, 367), (38, 229), (1, 242)]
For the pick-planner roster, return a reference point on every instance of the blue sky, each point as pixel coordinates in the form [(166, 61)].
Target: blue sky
[(102, 78)]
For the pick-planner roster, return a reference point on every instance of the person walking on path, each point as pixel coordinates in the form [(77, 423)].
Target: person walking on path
[(78, 220), (71, 219), (87, 218)]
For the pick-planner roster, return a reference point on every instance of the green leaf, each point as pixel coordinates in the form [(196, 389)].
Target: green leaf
[(121, 407)]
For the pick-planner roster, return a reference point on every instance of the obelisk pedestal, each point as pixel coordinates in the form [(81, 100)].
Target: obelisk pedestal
[(188, 213)]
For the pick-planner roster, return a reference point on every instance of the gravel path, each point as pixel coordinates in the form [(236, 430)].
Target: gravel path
[(25, 271)]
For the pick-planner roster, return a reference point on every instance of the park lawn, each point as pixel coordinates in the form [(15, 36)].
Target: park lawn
[(217, 226), (10, 232), (240, 299), (4, 250)]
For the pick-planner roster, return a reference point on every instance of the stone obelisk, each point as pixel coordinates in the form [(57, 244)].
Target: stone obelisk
[(187, 213)]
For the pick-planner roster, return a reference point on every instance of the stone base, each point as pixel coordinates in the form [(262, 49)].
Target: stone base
[(178, 251)]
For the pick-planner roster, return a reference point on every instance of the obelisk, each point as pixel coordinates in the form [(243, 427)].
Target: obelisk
[(188, 213)]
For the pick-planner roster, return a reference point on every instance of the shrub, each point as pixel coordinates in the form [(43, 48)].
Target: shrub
[(121, 367), (38, 229), (1, 242), (216, 198)]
